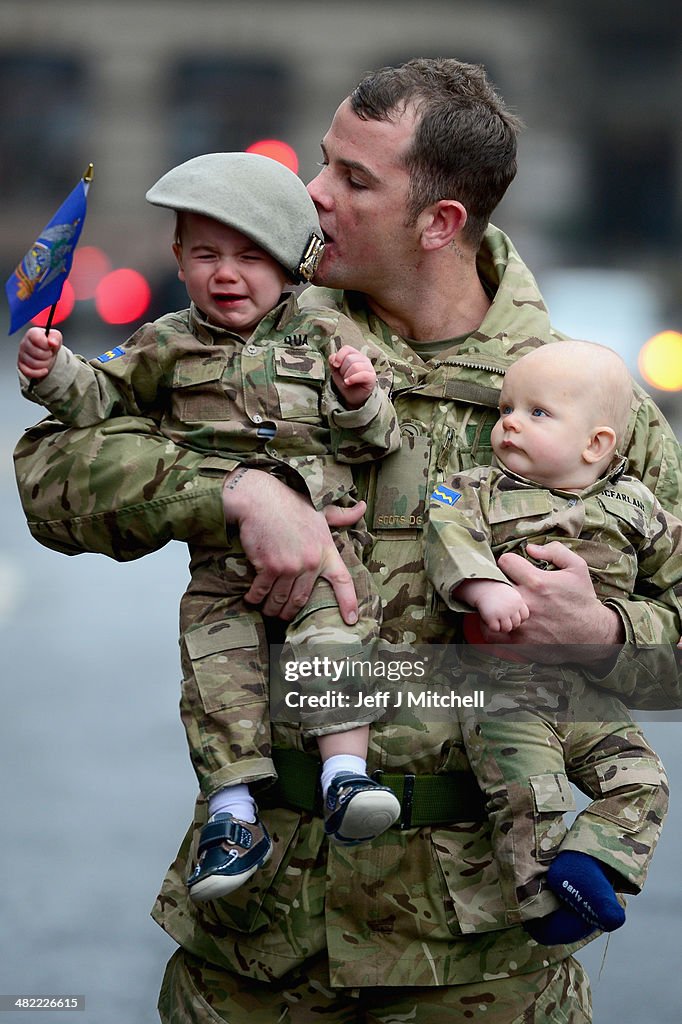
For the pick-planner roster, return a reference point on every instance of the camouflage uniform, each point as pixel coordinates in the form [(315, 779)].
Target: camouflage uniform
[(419, 907), (546, 727), (267, 402)]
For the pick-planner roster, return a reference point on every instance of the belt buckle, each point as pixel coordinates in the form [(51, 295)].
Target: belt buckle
[(407, 801)]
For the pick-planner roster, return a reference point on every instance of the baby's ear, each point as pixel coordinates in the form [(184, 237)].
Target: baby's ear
[(601, 445)]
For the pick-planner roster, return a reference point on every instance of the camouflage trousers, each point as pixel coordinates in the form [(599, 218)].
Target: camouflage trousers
[(195, 992), (225, 647), (543, 727)]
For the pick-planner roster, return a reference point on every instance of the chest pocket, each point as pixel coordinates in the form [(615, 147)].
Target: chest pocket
[(198, 392), (632, 518), (299, 377), (517, 516), (401, 486), (508, 506)]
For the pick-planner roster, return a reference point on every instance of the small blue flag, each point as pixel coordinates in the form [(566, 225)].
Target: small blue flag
[(38, 280)]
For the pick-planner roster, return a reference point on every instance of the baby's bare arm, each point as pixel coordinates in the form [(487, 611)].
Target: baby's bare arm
[(500, 606)]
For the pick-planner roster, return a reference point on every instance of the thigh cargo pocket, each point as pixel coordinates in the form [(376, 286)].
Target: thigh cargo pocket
[(470, 880), (229, 661), (552, 797), (628, 788)]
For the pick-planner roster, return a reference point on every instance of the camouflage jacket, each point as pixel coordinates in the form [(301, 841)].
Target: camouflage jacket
[(617, 525), (266, 402)]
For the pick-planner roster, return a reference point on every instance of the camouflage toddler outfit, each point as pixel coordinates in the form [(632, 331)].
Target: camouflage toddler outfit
[(267, 402), (544, 725)]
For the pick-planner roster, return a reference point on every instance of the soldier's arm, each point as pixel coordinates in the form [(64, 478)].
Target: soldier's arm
[(119, 488), (122, 489)]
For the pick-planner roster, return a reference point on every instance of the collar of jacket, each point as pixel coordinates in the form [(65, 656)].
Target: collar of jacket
[(611, 475), (276, 319)]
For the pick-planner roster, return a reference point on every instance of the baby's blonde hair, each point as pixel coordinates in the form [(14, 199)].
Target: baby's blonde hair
[(603, 376)]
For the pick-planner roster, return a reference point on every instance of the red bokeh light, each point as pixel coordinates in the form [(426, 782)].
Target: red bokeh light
[(122, 296), (63, 309), (276, 150), (90, 264)]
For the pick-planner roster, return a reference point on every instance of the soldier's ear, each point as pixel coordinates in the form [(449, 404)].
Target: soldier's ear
[(441, 223), (177, 252), (601, 444)]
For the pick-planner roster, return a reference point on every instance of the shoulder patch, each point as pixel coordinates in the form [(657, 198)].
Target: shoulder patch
[(445, 495), (113, 353)]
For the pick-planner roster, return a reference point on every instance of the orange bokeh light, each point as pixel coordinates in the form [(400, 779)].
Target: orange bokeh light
[(276, 150), (122, 296)]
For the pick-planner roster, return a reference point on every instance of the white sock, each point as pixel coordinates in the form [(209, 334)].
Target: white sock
[(235, 799), (341, 763)]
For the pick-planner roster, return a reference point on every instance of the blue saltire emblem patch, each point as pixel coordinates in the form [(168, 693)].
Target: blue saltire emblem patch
[(445, 495)]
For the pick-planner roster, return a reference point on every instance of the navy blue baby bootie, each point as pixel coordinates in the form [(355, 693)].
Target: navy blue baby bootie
[(581, 883), (580, 880), (560, 928)]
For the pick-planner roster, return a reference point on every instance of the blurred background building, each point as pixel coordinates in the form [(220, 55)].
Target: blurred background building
[(136, 87)]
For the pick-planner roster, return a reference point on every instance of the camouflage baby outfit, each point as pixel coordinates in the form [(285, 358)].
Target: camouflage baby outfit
[(544, 725)]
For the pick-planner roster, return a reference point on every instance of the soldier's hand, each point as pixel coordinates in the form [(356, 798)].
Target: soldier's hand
[(37, 352), (564, 609), (288, 543)]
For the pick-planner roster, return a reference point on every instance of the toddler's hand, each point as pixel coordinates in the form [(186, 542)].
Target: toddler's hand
[(37, 352), (353, 375)]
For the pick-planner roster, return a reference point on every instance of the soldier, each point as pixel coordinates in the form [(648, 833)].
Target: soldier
[(564, 409), (245, 378), (411, 926)]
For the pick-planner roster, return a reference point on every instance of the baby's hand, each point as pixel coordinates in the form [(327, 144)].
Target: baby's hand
[(353, 375), (500, 605), (38, 351)]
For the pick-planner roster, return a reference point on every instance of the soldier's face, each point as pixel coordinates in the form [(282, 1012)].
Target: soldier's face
[(361, 195), (545, 426), (232, 280)]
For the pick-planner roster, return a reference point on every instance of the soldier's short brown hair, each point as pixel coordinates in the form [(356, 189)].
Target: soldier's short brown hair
[(464, 144)]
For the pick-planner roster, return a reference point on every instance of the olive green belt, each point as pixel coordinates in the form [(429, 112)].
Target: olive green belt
[(424, 799)]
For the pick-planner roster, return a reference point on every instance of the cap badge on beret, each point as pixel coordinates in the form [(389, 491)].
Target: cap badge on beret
[(310, 260)]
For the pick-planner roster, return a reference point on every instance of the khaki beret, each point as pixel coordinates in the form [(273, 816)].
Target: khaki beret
[(253, 194)]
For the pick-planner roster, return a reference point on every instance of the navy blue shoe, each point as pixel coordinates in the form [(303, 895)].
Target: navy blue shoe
[(357, 809), (230, 851)]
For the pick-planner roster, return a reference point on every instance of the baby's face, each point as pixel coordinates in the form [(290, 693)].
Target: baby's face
[(231, 279), (545, 425)]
